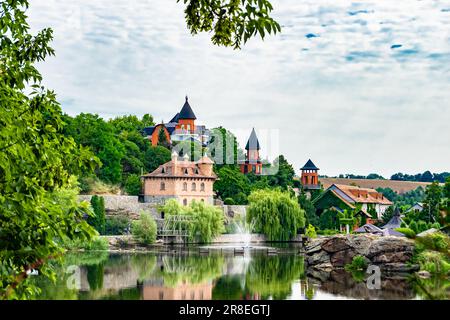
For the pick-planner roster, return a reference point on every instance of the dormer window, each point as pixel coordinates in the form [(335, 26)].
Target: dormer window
[(163, 170), (185, 171)]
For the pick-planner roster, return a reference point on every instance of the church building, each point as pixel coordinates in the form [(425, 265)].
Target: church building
[(182, 127)]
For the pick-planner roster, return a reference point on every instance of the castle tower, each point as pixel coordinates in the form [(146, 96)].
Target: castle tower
[(186, 118), (310, 176), (252, 161)]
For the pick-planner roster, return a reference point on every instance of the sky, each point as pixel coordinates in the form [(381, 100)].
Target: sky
[(358, 87)]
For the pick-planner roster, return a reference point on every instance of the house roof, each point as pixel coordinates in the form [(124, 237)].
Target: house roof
[(361, 195), (252, 143), (309, 166), (175, 118), (369, 228), (186, 112), (182, 168), (395, 222)]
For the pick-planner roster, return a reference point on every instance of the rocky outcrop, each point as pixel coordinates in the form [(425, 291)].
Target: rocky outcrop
[(391, 254)]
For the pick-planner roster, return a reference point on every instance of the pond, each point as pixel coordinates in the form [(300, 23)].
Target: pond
[(217, 276)]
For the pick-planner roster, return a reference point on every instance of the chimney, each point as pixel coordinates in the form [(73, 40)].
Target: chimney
[(174, 162)]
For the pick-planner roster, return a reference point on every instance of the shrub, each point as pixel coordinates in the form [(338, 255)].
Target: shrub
[(433, 262), (328, 232), (133, 185), (229, 201), (421, 226), (413, 226), (409, 233), (311, 232), (144, 229), (116, 225), (359, 263), (97, 220), (435, 241), (96, 244), (276, 214)]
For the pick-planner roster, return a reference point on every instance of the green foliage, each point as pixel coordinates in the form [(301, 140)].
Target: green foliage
[(276, 214), (434, 262), (409, 233), (133, 185), (405, 199), (310, 211), (223, 147), (155, 156), (36, 160), (284, 174), (116, 225), (437, 241), (232, 184), (231, 22), (359, 263), (144, 229), (95, 244), (162, 138), (427, 176), (229, 201), (387, 215), (311, 232), (349, 217), (97, 220), (328, 220), (206, 221), (432, 202)]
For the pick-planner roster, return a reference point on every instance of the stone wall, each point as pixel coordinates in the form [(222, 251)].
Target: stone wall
[(124, 205), (391, 254)]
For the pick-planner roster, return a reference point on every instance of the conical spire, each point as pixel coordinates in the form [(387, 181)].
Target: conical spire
[(252, 143), (309, 166), (186, 112)]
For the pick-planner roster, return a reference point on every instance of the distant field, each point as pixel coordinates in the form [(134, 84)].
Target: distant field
[(398, 186)]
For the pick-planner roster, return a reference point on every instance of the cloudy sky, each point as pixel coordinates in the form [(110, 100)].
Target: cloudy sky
[(358, 87)]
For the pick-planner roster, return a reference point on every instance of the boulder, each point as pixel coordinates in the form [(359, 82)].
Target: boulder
[(335, 244), (393, 257), (341, 258), (361, 243), (318, 258), (326, 267), (315, 245), (399, 267), (384, 245)]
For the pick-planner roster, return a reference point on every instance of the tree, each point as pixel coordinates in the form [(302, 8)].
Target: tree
[(284, 176), (223, 147), (231, 22), (144, 230), (133, 185), (328, 220), (387, 215), (431, 204), (349, 218), (310, 211), (276, 214), (98, 220), (36, 160), (156, 156), (162, 138), (232, 184)]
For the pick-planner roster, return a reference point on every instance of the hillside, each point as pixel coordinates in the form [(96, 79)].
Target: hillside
[(398, 186)]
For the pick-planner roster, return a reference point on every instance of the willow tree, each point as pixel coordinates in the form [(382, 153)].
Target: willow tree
[(276, 214), (37, 162)]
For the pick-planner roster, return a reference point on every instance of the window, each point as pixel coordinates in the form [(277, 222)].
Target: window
[(196, 171), (163, 186), (185, 186), (193, 187), (184, 202), (202, 200), (163, 170), (185, 171), (202, 187)]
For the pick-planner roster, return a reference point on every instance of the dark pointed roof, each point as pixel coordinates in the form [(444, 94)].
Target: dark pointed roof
[(186, 112), (175, 118), (309, 166), (395, 222), (252, 143)]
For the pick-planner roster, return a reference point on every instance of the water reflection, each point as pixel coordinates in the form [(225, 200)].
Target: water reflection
[(216, 276)]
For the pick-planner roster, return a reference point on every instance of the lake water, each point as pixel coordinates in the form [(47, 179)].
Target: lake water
[(219, 276)]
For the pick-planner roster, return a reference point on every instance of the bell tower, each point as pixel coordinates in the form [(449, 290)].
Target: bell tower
[(252, 161), (310, 176)]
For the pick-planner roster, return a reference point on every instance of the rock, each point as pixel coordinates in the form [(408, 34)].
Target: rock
[(360, 243), (427, 232), (335, 244), (315, 245), (318, 258), (326, 267), (385, 244), (318, 274), (393, 257), (399, 267), (341, 258), (424, 274)]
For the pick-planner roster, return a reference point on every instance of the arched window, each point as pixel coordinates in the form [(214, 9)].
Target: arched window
[(196, 171), (184, 202), (202, 187), (185, 171), (163, 186), (193, 186), (185, 186), (163, 170)]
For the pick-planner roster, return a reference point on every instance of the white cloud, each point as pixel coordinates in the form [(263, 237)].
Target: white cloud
[(344, 98)]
